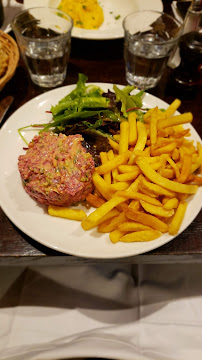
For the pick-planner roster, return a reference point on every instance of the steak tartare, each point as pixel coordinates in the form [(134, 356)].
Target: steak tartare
[(57, 170)]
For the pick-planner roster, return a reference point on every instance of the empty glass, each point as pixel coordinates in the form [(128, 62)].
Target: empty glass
[(44, 38), (150, 39)]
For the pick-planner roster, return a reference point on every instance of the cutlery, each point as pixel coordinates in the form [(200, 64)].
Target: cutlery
[(4, 106)]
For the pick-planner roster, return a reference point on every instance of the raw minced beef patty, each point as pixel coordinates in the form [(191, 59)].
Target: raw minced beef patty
[(56, 169)]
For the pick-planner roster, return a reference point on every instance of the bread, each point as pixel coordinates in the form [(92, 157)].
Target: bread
[(9, 57)]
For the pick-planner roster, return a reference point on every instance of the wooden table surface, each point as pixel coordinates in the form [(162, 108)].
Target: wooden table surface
[(101, 61)]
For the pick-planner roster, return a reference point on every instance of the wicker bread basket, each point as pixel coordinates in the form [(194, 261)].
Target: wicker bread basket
[(9, 56)]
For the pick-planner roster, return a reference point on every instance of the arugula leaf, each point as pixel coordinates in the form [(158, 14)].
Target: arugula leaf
[(97, 124), (93, 102), (138, 98), (127, 101)]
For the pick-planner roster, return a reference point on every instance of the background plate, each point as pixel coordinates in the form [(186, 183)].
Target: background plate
[(30, 217), (111, 28)]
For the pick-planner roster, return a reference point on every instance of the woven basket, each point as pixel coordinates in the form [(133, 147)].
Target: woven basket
[(10, 55)]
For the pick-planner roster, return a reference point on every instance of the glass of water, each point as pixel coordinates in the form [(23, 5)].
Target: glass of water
[(151, 38), (44, 39)]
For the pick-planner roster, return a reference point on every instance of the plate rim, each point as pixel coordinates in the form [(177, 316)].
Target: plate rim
[(152, 244)]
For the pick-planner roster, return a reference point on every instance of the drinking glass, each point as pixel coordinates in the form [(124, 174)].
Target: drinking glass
[(44, 39), (150, 38)]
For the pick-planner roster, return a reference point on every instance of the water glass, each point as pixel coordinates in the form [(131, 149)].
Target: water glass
[(150, 39), (44, 39)]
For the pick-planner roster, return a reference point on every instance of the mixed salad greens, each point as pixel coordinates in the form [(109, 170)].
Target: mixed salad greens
[(89, 110)]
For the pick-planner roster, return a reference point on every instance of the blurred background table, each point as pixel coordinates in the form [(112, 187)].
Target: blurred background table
[(101, 61)]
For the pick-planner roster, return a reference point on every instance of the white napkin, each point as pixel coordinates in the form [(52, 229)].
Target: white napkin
[(139, 312), (10, 8)]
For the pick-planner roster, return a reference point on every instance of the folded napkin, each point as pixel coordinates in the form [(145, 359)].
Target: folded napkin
[(10, 8), (112, 311)]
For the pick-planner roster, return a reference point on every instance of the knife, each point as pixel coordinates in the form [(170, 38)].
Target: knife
[(4, 106)]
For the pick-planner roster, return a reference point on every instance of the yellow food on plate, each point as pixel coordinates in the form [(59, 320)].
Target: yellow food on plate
[(87, 14)]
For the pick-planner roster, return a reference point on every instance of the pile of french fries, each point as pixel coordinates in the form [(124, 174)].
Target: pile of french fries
[(143, 182)]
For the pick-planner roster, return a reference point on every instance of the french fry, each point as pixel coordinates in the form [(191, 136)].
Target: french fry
[(128, 176), (105, 189), (127, 168), (139, 236), (164, 149), (114, 172), (124, 137), (159, 114), (175, 155), (141, 140), (147, 116), (142, 190), (166, 141), (157, 189), (172, 108), (132, 128), (112, 224), (153, 127), (153, 159), (97, 214), (199, 148), (104, 160), (142, 136), (147, 219), (168, 131), (190, 178), (95, 200), (138, 196), (196, 165), (196, 179), (177, 218), (87, 224), (145, 152), (173, 164), (175, 120), (187, 147), (160, 180), (182, 197), (181, 134), (113, 164), (134, 204), (116, 137), (168, 173), (157, 165), (156, 210), (161, 169), (116, 235), (132, 226), (121, 185), (134, 185), (171, 203), (186, 169), (114, 145), (67, 213)]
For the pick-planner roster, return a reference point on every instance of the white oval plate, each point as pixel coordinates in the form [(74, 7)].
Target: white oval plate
[(60, 234), (111, 27)]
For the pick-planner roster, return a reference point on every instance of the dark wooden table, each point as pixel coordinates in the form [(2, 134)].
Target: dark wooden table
[(101, 61)]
